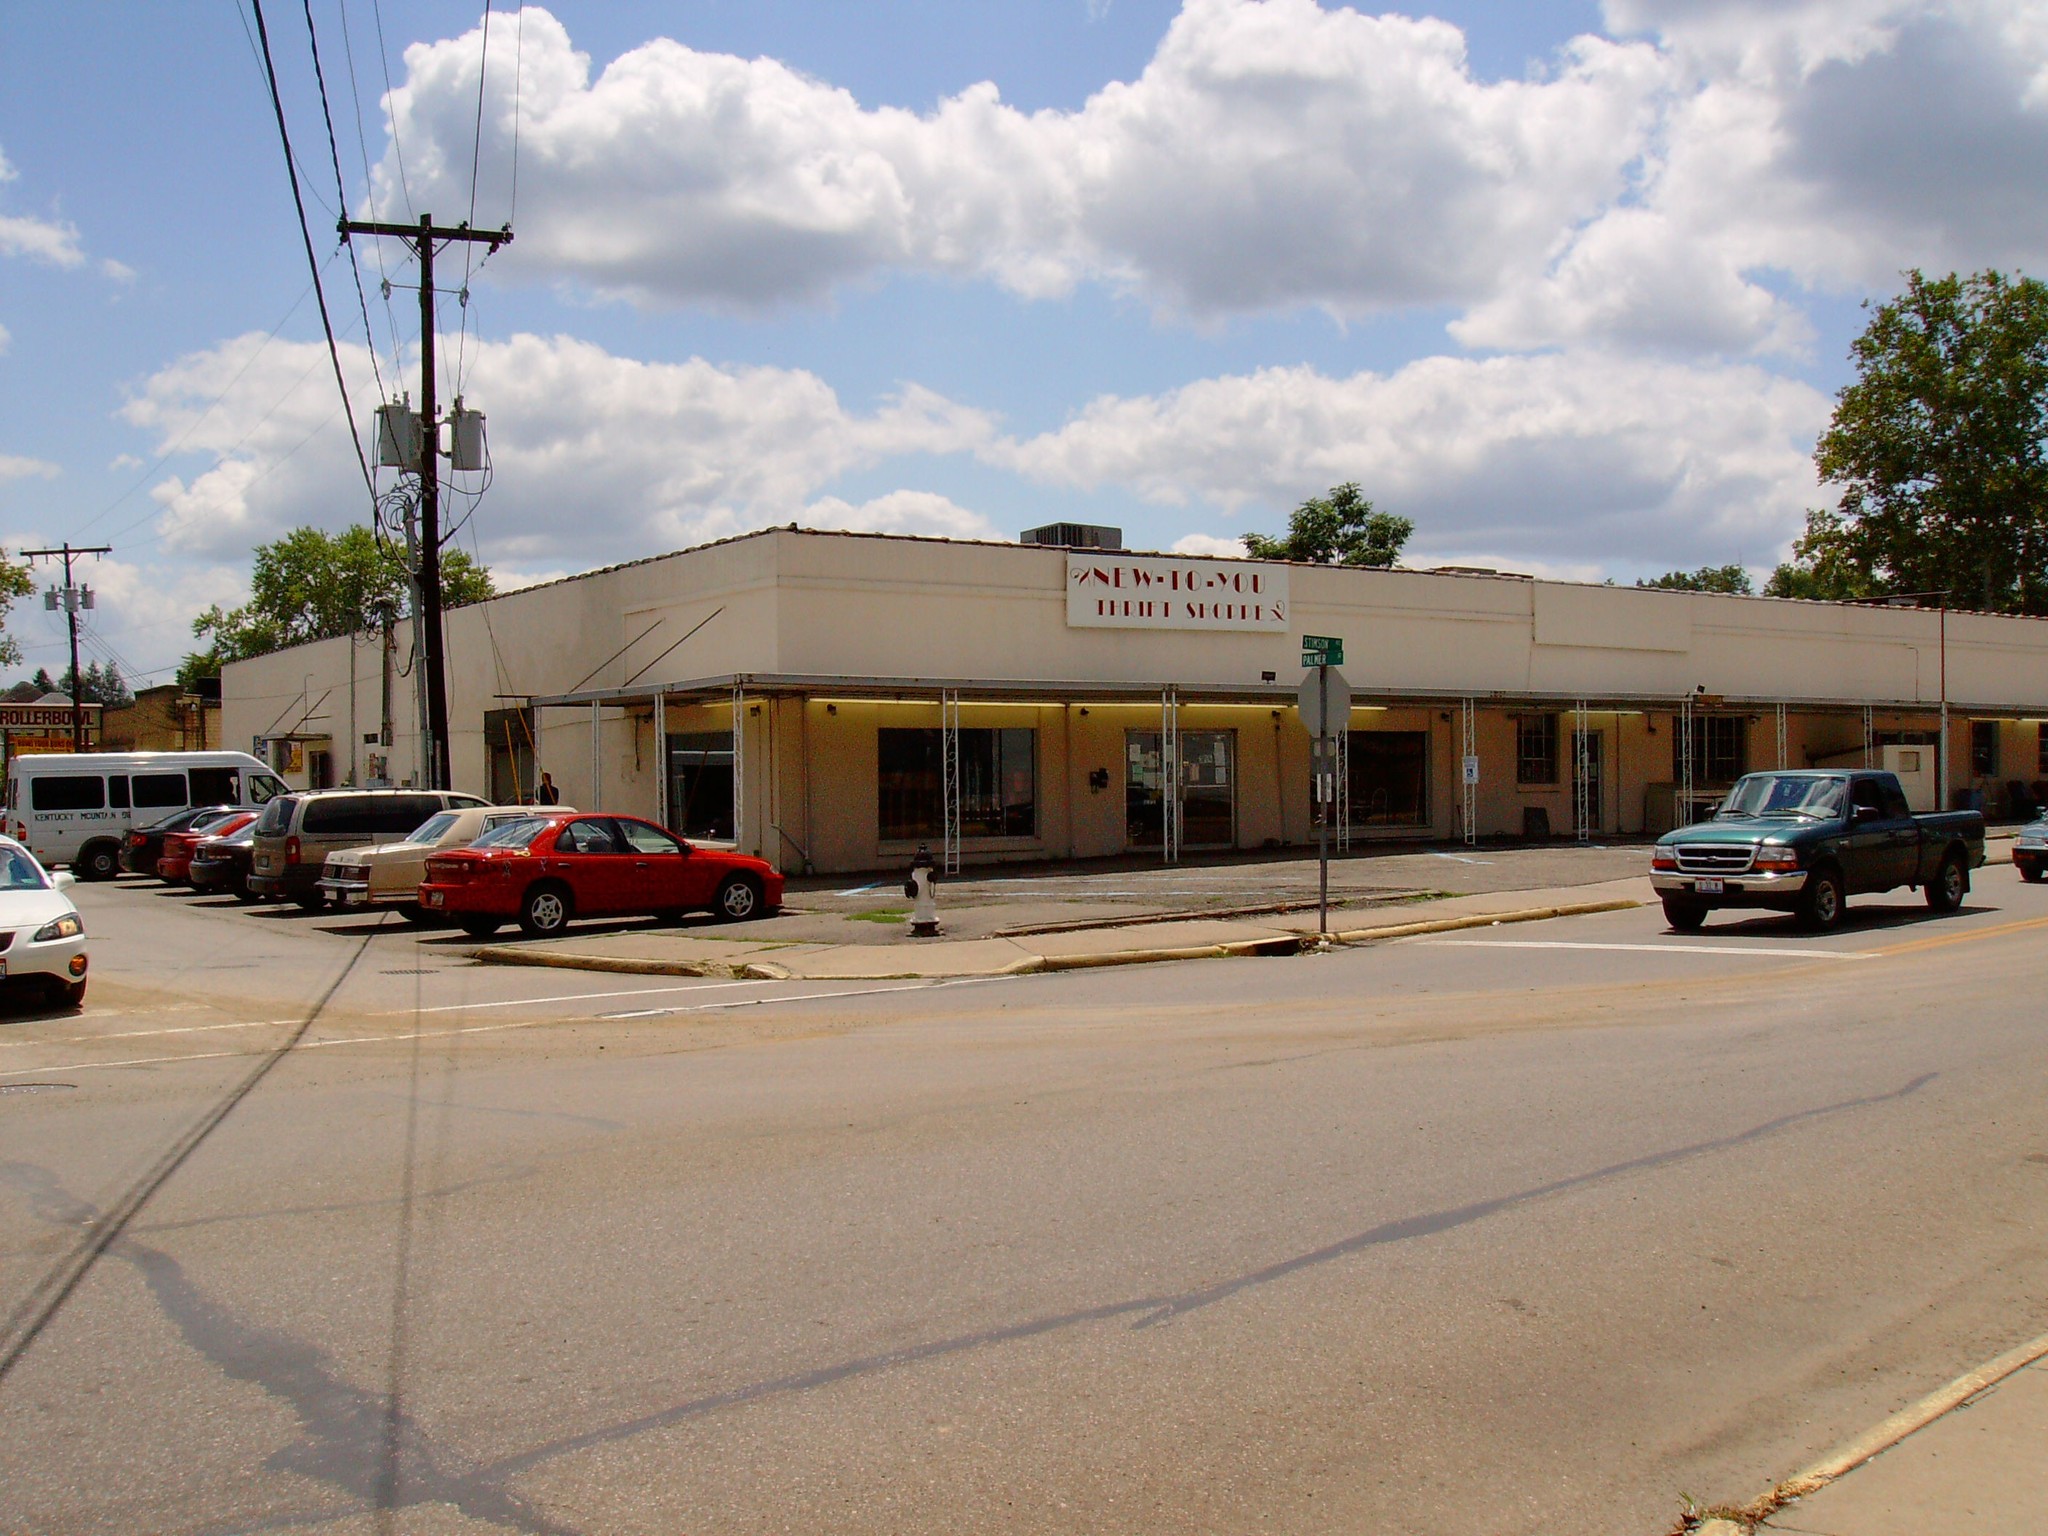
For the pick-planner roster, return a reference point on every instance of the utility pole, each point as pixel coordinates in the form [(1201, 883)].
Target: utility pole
[(70, 600), (421, 237)]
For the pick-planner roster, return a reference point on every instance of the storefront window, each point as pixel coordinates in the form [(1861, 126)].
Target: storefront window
[(1389, 778), (1984, 748), (998, 783), (1720, 748)]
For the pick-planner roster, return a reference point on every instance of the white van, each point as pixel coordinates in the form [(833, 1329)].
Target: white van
[(75, 807)]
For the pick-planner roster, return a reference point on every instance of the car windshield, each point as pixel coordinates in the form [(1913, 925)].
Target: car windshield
[(513, 834), (432, 829), (1785, 794), (19, 872)]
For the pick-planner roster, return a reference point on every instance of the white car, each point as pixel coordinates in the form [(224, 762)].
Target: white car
[(42, 937)]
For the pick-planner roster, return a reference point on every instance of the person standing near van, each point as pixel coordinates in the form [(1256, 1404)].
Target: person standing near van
[(547, 794)]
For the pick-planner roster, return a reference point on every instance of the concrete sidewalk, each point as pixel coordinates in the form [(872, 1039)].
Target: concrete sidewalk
[(1970, 1458), (670, 952)]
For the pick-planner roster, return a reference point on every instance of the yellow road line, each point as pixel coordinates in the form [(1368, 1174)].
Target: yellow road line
[(1943, 940)]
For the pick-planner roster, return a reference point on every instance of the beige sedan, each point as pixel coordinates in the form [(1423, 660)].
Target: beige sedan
[(389, 874)]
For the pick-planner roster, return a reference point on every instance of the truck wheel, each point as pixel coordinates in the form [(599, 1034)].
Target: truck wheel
[(99, 861), (1821, 906), (1685, 916), (1951, 883)]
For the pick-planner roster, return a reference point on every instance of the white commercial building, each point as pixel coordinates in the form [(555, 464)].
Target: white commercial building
[(831, 700)]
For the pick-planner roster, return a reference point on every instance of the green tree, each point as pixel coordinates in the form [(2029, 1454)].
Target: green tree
[(1708, 578), (1338, 529), (1941, 449), (311, 585), (15, 581), (101, 685), (44, 681)]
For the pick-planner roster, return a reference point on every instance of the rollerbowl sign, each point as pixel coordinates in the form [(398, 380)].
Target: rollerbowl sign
[(1128, 592)]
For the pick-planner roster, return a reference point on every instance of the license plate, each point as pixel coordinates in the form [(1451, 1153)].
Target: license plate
[(354, 898), (1708, 887), (433, 898)]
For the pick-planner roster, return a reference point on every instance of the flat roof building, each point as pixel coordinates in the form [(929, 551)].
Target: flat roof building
[(831, 700)]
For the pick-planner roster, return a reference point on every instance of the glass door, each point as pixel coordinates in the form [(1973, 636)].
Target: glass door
[(1208, 789)]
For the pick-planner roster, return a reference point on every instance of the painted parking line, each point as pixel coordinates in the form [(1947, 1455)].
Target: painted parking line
[(1752, 951), (490, 1029)]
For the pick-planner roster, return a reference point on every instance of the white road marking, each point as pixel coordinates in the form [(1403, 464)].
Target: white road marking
[(487, 1029), (1755, 951), (1457, 858), (140, 1034), (574, 997)]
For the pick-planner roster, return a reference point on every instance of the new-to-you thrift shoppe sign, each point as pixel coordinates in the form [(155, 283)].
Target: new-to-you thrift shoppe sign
[(1154, 592)]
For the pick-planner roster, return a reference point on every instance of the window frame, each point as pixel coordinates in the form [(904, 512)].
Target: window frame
[(1543, 761)]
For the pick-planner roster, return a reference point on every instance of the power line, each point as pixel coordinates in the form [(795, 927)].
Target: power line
[(341, 194), (384, 62), (306, 234), (355, 92), (193, 426)]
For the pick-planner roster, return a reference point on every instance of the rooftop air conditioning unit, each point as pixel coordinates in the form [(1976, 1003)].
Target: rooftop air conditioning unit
[(1074, 536)]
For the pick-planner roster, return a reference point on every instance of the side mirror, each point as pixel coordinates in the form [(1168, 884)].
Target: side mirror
[(63, 880), (1867, 813)]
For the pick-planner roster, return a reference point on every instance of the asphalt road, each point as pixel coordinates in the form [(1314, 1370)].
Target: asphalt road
[(1534, 1229)]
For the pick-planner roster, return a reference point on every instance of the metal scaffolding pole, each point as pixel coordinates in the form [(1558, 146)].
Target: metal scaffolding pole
[(949, 753), (1869, 736), (1468, 739), (1683, 814), (1782, 751), (661, 754), (1170, 827), (596, 759), (1341, 740), (1582, 773), (739, 767)]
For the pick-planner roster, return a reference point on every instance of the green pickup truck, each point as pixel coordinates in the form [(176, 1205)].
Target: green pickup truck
[(1806, 842)]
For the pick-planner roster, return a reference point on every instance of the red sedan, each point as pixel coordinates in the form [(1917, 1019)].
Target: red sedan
[(543, 871), (174, 864)]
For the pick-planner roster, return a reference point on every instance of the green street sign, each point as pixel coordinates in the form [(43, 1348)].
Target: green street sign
[(1322, 651)]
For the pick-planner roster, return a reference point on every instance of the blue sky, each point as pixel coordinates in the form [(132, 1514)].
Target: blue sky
[(1570, 285)]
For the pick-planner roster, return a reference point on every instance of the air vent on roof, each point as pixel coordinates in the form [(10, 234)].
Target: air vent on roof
[(1074, 536)]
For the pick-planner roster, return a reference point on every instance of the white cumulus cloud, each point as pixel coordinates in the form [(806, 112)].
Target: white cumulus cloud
[(595, 457), (1271, 154), (1583, 459)]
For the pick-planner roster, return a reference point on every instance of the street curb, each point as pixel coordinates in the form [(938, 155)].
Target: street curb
[(1846, 1458), (569, 960), (1485, 920), (1031, 965)]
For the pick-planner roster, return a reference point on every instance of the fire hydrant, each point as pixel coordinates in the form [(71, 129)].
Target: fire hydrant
[(921, 888)]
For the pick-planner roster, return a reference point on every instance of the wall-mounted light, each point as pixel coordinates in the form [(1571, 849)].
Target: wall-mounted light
[(754, 709), (1098, 779), (1084, 711), (1269, 677), (831, 709)]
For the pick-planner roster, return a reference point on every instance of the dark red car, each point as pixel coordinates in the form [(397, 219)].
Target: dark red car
[(174, 864), (543, 871)]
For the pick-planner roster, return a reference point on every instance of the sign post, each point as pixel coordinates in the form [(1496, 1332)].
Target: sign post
[(1324, 696)]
